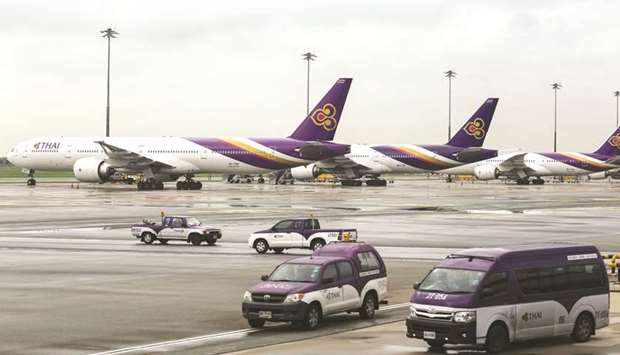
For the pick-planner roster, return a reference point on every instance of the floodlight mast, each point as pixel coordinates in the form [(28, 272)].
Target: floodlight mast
[(108, 33)]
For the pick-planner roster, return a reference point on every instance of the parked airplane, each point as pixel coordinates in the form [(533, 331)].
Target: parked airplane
[(371, 161), (521, 166), (159, 159)]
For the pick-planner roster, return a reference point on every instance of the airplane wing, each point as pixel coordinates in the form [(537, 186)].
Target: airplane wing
[(124, 158), (514, 167)]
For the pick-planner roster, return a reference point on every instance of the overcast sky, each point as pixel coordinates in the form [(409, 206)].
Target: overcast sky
[(213, 68)]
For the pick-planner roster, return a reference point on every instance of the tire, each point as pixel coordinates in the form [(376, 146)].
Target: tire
[(435, 344), (195, 239), (278, 250), (261, 180), (163, 241), (148, 238), (497, 338), (31, 182), (376, 182), (317, 244), (367, 311), (211, 240), (584, 327), (313, 316), (256, 323), (261, 246)]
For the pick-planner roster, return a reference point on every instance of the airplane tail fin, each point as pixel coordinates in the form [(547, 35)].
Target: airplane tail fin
[(612, 145), (321, 123), (474, 131)]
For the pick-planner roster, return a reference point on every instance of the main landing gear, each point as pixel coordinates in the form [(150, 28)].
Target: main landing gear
[(523, 181), (189, 184), (150, 184), (359, 182), (31, 181), (538, 181)]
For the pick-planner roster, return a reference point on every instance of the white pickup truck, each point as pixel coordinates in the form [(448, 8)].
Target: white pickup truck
[(297, 233), (187, 229)]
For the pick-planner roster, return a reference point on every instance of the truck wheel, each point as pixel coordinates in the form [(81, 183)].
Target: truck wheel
[(148, 238), (256, 323), (584, 328), (261, 246), (211, 240), (497, 338), (278, 250), (312, 318), (195, 239), (367, 311), (317, 244)]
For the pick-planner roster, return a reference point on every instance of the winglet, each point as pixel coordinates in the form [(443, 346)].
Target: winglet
[(321, 123), (475, 130)]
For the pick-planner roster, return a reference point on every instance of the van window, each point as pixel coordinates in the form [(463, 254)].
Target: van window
[(452, 281), (560, 278), (330, 272), (497, 283), (345, 269), (368, 261)]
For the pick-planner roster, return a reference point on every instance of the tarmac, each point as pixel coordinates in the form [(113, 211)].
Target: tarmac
[(76, 282)]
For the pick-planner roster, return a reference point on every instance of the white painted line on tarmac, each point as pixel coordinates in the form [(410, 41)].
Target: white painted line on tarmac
[(184, 341)]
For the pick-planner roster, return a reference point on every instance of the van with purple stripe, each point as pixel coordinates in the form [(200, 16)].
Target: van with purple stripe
[(491, 297)]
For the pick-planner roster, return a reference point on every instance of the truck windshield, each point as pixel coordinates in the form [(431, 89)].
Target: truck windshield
[(451, 281), (296, 273), (192, 222)]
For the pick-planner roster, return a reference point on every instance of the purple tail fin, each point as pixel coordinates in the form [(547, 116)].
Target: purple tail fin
[(474, 131), (321, 123), (611, 146)]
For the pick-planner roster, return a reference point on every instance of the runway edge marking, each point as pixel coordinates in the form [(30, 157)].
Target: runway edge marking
[(153, 346)]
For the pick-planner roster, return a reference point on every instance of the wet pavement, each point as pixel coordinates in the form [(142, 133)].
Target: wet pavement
[(75, 281)]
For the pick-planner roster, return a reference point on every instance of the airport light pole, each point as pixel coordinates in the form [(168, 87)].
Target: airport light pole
[(555, 87), (108, 33), (450, 74), (617, 94), (308, 57)]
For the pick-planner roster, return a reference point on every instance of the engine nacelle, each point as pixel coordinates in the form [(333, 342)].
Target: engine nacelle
[(598, 176), (308, 172), (486, 172), (92, 170)]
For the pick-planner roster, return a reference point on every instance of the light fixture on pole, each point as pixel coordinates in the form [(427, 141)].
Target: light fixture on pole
[(555, 87), (616, 94), (108, 33), (308, 57), (450, 74)]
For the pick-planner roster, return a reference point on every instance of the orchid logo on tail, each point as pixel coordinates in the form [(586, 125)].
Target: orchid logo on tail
[(614, 141), (475, 128), (324, 117)]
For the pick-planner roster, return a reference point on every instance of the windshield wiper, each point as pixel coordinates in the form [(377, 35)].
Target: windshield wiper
[(431, 290)]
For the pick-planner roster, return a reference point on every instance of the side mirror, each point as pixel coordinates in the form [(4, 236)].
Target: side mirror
[(264, 278), (486, 292), (416, 285), (329, 280)]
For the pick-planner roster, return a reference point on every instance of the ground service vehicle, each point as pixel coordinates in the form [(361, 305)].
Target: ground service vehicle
[(341, 277), (187, 229), (298, 233), (494, 296)]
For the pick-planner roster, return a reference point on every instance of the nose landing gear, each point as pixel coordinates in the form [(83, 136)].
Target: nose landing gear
[(31, 181)]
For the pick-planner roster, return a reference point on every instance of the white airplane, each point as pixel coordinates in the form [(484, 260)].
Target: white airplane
[(159, 159), (370, 161), (520, 166)]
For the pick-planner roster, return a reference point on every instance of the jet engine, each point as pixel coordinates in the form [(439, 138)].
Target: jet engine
[(486, 172), (614, 174), (307, 172), (92, 170)]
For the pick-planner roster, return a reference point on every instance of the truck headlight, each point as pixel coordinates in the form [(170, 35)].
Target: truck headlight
[(465, 317), (247, 296), (295, 297)]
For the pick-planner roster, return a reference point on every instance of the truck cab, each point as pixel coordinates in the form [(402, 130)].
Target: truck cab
[(297, 233), (341, 277)]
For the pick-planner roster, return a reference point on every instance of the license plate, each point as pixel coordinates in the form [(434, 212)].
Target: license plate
[(428, 335), (266, 315)]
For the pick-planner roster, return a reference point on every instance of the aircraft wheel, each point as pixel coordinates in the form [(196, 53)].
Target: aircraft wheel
[(31, 182)]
